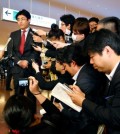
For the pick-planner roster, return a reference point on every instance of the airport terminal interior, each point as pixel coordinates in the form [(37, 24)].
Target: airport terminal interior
[(50, 10)]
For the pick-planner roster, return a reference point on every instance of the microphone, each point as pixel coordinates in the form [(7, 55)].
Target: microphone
[(34, 32), (9, 39)]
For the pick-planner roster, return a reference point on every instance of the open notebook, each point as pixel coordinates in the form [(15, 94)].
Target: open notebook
[(59, 92)]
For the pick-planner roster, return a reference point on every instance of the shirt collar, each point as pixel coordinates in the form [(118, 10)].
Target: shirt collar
[(76, 75), (110, 76), (27, 29)]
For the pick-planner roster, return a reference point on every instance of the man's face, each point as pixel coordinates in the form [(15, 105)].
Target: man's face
[(23, 22), (63, 26), (100, 62), (93, 26), (69, 68)]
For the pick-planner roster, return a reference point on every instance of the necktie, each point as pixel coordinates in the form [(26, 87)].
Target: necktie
[(22, 43)]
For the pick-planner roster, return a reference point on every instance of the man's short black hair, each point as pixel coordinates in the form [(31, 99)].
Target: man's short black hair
[(25, 13), (94, 19), (73, 52), (98, 40), (68, 19), (115, 21)]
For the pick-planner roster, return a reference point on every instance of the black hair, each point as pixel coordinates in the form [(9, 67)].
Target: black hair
[(25, 13), (94, 19), (68, 19), (59, 54), (55, 32), (115, 27), (81, 25), (98, 40), (18, 112), (73, 52)]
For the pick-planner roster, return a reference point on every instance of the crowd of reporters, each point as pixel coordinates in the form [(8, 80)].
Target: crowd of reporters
[(66, 54)]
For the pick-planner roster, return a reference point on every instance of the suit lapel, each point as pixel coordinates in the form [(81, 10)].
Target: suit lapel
[(18, 39), (28, 39), (113, 81)]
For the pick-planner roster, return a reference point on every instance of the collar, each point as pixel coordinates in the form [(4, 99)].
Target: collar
[(110, 76), (27, 29), (76, 75)]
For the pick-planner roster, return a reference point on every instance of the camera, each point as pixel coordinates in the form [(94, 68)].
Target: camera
[(23, 82)]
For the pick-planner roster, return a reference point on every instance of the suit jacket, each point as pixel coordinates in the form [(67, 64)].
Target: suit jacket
[(89, 80), (13, 49), (108, 112)]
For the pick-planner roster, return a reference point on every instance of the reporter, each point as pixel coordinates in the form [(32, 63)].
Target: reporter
[(21, 119)]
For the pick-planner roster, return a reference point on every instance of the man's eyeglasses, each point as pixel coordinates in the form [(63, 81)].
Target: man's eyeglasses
[(22, 19)]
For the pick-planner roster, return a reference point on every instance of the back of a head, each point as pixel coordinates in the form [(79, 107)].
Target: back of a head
[(97, 41), (111, 23), (55, 32), (18, 112), (81, 25), (25, 13), (75, 53)]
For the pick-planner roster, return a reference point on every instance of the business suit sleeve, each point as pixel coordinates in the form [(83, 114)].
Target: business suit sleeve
[(46, 85), (49, 85), (109, 112), (49, 107), (15, 40)]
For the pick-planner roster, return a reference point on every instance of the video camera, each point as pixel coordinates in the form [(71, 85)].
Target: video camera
[(8, 60)]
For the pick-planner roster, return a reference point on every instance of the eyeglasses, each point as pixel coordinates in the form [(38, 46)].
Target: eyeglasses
[(21, 19)]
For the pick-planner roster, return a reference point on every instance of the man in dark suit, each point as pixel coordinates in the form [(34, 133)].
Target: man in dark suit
[(22, 51), (88, 79), (105, 57)]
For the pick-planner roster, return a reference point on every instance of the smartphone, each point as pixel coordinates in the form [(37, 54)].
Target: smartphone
[(33, 44), (23, 82), (68, 88)]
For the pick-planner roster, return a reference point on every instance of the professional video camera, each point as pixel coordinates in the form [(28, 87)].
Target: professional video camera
[(7, 61)]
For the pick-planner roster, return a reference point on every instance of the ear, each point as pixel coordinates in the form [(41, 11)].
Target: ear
[(29, 20), (82, 36), (62, 67), (69, 26), (73, 63), (108, 50)]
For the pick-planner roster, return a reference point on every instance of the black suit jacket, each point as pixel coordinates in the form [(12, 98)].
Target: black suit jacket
[(90, 82), (109, 111), (13, 49)]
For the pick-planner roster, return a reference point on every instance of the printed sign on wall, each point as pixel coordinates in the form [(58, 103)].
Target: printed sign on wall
[(9, 15)]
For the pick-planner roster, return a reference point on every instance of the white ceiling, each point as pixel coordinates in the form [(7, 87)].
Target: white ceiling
[(100, 8)]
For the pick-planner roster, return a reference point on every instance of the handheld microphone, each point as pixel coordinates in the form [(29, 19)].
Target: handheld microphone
[(9, 39)]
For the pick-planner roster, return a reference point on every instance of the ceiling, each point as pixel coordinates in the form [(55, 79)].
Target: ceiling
[(101, 8), (88, 8)]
